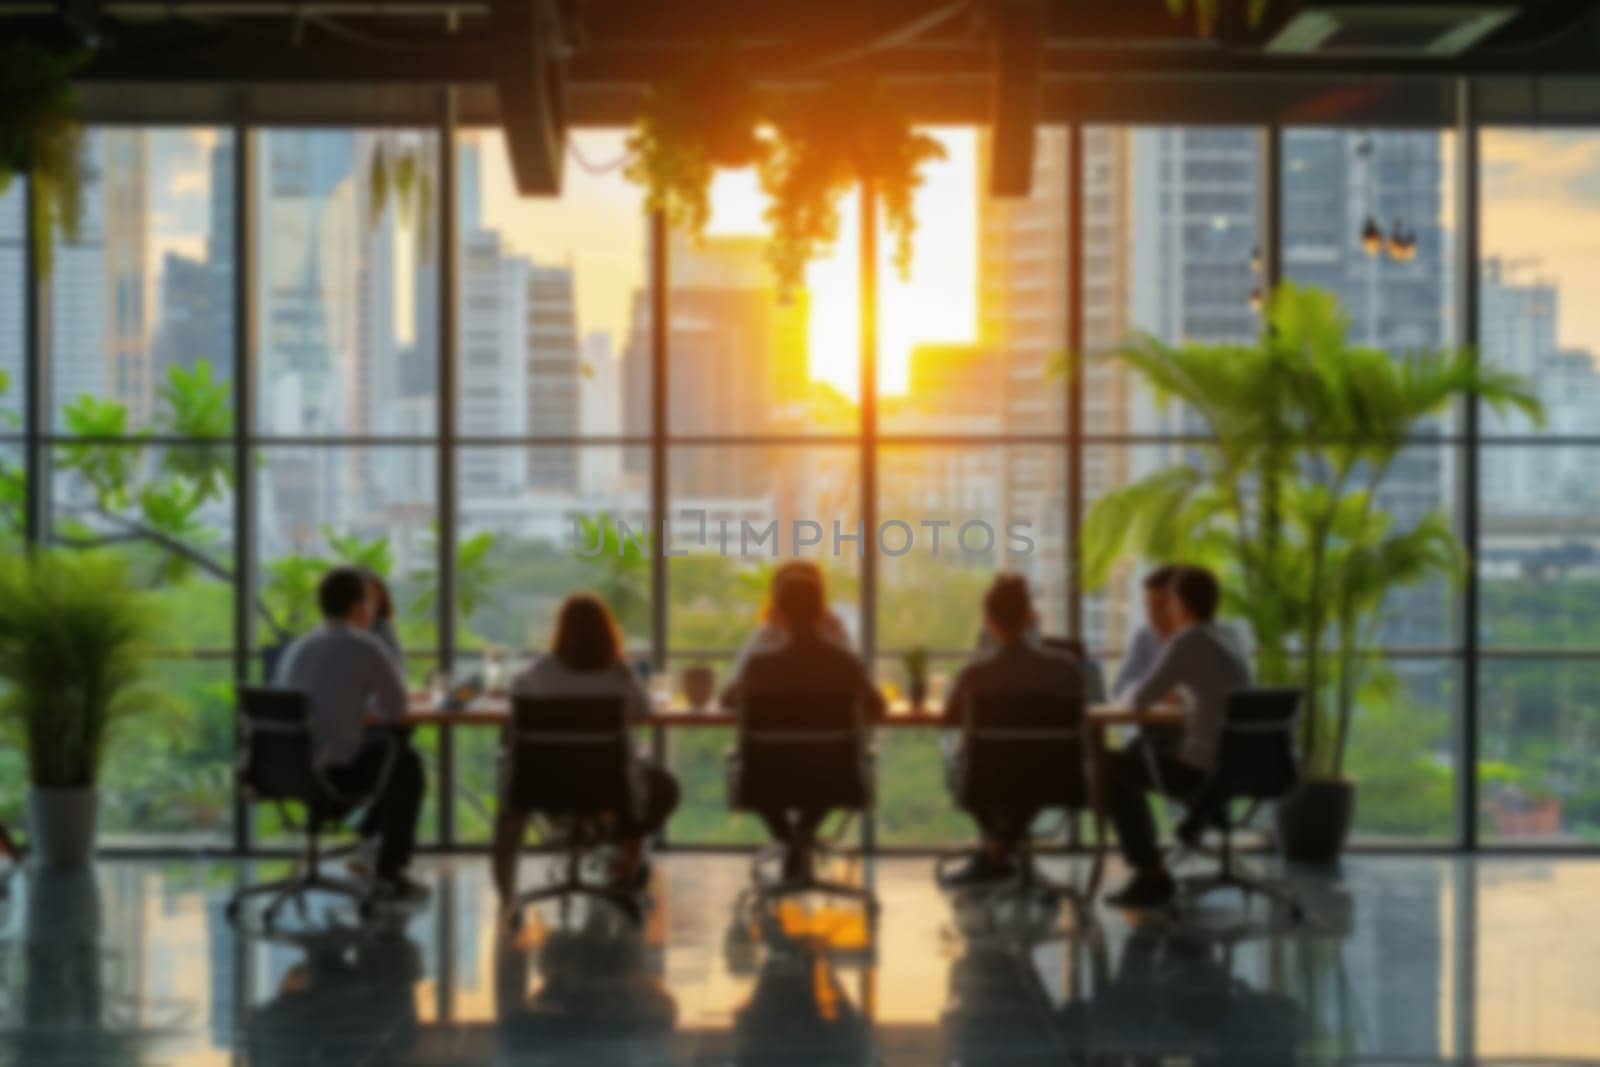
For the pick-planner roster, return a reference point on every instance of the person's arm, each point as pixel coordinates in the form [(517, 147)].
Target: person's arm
[(636, 695), (1170, 671), (385, 684), (956, 700), (1137, 663)]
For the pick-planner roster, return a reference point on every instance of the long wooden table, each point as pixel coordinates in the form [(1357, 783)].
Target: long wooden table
[(493, 712)]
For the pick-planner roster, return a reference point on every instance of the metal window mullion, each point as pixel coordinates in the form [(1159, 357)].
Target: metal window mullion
[(867, 284), (1269, 239), (446, 503), (660, 616), (36, 388), (244, 480), (1075, 343), (1467, 330)]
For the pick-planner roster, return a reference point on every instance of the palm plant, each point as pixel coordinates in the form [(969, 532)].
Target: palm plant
[(73, 632), (1283, 498)]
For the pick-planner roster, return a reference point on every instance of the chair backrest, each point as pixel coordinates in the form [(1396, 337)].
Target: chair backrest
[(802, 749), (1024, 749), (1257, 754), (275, 760), (569, 756)]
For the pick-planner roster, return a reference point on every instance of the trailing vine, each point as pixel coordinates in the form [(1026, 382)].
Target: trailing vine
[(41, 136), (710, 117), (847, 133), (399, 173)]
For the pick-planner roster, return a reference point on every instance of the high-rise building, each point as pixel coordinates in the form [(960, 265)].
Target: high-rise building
[(737, 351), (553, 375)]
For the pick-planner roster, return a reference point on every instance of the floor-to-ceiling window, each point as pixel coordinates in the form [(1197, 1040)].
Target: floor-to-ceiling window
[(765, 450), (344, 283), (1539, 558)]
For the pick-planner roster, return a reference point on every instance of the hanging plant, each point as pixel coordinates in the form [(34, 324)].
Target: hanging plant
[(1206, 12), (710, 117), (846, 133), (41, 136), (399, 174)]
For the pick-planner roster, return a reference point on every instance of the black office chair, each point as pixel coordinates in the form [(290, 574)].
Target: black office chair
[(801, 750), (1257, 761), (276, 766), (569, 760), (1024, 753)]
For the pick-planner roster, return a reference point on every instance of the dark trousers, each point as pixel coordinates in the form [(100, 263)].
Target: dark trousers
[(1134, 773), (793, 826), (396, 796), (1005, 825)]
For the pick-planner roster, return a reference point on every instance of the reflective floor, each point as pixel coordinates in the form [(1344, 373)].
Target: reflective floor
[(1403, 960)]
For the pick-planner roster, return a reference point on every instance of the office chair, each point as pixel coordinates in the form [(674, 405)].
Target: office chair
[(569, 760), (801, 750), (1257, 761), (276, 766), (1023, 753)]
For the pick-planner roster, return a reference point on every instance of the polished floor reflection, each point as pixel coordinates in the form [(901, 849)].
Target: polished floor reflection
[(1404, 959)]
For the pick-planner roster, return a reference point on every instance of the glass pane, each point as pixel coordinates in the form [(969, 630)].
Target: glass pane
[(524, 546), (321, 506), (552, 296), (169, 771), (1170, 240), (346, 281), (169, 512), (746, 357), (970, 338), (1539, 558), (949, 518), (13, 296), (1367, 216), (1401, 748), (736, 514), (141, 301), (1539, 759), (1539, 241)]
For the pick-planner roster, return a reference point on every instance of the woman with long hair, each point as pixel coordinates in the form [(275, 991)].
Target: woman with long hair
[(772, 633), (383, 615), (587, 658)]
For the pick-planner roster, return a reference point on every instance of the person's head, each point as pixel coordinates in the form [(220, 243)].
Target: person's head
[(1008, 607), (800, 605), (1196, 593), (343, 596), (1158, 608), (378, 591), (796, 569), (586, 637)]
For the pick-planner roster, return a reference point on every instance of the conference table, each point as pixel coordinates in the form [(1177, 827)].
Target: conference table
[(492, 711)]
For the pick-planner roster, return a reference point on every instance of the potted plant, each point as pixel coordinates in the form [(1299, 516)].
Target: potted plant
[(73, 631), (699, 685), (916, 666), (1282, 498)]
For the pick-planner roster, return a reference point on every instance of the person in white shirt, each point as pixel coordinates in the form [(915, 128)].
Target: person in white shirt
[(1203, 664), (587, 659), (348, 674)]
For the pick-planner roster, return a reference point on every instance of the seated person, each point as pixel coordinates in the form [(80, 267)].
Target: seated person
[(1203, 663), (809, 661), (587, 659), (346, 672), (771, 634), (1016, 665), (1145, 646)]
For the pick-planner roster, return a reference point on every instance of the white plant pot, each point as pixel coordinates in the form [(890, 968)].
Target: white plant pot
[(61, 825)]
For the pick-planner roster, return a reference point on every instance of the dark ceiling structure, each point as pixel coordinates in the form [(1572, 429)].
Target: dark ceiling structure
[(540, 66)]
